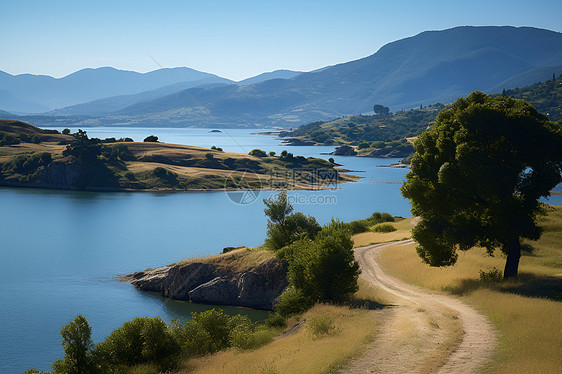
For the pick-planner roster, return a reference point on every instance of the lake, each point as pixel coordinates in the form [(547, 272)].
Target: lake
[(60, 250)]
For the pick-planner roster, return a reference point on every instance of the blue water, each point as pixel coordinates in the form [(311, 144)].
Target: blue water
[(60, 250)]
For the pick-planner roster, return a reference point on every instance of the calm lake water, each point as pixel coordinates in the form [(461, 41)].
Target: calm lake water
[(60, 250)]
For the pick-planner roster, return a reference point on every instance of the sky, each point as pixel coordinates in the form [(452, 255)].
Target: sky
[(233, 39)]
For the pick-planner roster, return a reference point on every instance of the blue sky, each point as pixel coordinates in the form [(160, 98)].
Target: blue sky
[(234, 39)]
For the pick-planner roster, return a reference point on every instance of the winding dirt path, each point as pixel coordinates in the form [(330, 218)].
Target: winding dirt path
[(424, 331)]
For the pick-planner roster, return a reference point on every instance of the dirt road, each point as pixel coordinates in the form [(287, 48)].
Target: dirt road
[(424, 331)]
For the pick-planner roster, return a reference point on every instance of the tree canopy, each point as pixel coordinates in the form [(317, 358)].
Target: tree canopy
[(477, 176)]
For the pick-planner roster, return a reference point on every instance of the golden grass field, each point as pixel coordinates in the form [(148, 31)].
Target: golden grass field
[(525, 311), (300, 351)]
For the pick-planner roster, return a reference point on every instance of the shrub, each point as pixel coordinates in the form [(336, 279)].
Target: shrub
[(272, 154), (293, 301), (66, 132), (363, 145), (384, 227), (494, 275), (319, 326), (275, 320), (165, 175), (151, 139), (257, 153), (357, 227), (325, 269), (142, 340)]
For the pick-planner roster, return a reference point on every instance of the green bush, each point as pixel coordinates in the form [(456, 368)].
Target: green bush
[(257, 153), (384, 227), (166, 176), (275, 320), (143, 340), (325, 269), (357, 227), (293, 301)]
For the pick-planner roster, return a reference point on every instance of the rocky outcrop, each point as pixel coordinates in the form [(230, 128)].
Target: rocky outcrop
[(258, 286)]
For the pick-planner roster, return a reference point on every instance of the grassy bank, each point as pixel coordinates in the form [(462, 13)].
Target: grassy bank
[(323, 339), (525, 311)]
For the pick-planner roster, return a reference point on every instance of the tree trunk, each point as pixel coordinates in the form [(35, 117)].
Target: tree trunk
[(513, 255)]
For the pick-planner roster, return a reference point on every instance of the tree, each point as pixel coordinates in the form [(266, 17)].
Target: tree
[(257, 153), (151, 139), (380, 109), (325, 269), (477, 175), (66, 132), (277, 209), (77, 343), (86, 150)]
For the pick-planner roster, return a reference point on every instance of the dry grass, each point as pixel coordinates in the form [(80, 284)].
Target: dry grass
[(403, 228), (301, 352), (237, 260), (523, 310)]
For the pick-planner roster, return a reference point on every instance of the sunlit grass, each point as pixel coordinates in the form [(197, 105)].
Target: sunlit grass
[(301, 352), (237, 260), (525, 311), (403, 228)]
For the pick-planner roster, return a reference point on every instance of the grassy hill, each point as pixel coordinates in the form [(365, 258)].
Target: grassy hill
[(546, 97), (32, 157)]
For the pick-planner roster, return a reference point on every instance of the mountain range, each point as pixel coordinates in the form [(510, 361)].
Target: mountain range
[(434, 66)]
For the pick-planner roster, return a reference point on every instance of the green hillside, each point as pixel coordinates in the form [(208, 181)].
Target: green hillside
[(545, 97)]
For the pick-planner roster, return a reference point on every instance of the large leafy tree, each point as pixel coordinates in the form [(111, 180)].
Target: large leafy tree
[(477, 177)]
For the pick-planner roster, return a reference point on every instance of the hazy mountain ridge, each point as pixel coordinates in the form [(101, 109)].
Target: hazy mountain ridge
[(433, 66), (93, 84)]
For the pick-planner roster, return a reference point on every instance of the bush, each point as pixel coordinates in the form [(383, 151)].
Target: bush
[(494, 275), (275, 320), (293, 301), (384, 227), (357, 227), (143, 340), (165, 175), (66, 132), (325, 269), (363, 145), (319, 326), (257, 153), (151, 139)]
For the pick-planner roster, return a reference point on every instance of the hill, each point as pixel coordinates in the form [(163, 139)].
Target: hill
[(277, 74), (92, 84), (32, 157), (546, 97)]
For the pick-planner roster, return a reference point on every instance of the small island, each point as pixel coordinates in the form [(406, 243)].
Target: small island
[(34, 157)]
